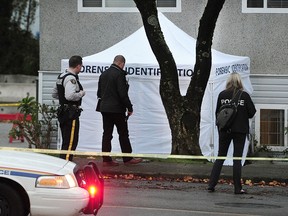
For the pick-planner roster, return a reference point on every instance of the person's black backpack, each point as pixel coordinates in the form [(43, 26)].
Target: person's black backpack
[(227, 113)]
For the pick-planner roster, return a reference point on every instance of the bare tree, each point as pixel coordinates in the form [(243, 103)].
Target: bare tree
[(24, 13), (183, 112), (16, 38)]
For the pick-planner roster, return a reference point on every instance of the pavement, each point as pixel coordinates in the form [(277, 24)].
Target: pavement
[(5, 127), (257, 171), (199, 171)]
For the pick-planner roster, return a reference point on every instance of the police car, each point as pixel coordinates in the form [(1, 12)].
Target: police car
[(41, 185)]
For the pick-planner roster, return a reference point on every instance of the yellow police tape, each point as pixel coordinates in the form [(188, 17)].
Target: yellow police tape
[(10, 105), (160, 156)]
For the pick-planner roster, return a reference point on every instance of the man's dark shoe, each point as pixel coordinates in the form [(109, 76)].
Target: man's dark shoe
[(247, 162), (211, 189), (241, 192), (110, 163), (133, 161)]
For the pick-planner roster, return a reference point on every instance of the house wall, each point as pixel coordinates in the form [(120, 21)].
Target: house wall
[(65, 32), (263, 37), (270, 89)]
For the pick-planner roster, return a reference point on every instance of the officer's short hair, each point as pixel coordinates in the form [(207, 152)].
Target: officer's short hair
[(74, 61), (119, 59)]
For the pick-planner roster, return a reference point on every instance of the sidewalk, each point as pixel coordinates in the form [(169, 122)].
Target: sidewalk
[(257, 171), (4, 137)]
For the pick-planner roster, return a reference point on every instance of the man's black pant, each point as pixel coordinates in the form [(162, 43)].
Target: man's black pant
[(119, 120), (70, 135), (224, 143)]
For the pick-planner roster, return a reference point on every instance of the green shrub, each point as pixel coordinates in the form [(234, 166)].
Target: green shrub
[(35, 123)]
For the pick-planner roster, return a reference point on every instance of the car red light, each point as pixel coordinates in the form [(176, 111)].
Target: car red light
[(92, 191), (90, 178)]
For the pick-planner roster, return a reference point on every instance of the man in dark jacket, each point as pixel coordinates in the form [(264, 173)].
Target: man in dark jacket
[(113, 94)]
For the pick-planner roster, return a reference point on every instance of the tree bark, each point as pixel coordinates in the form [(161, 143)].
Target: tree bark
[(183, 112)]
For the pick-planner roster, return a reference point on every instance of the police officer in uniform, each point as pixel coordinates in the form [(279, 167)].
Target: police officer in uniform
[(237, 133), (69, 91)]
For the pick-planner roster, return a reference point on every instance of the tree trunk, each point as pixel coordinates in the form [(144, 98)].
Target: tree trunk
[(183, 112)]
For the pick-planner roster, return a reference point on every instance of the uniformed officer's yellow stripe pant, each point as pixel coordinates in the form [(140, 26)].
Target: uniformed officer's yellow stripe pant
[(71, 138)]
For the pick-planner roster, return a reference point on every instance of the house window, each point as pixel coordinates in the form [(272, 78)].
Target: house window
[(255, 3), (124, 6), (270, 124), (272, 127), (265, 6)]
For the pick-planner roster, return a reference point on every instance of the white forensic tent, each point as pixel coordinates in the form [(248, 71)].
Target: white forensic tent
[(148, 126)]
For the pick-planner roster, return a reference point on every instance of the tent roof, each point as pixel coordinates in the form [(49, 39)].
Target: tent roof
[(137, 50)]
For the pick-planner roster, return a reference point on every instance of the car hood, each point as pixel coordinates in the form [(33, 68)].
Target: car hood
[(35, 162)]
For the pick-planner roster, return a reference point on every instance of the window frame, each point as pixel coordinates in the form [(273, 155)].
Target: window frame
[(80, 8), (245, 9), (257, 124)]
